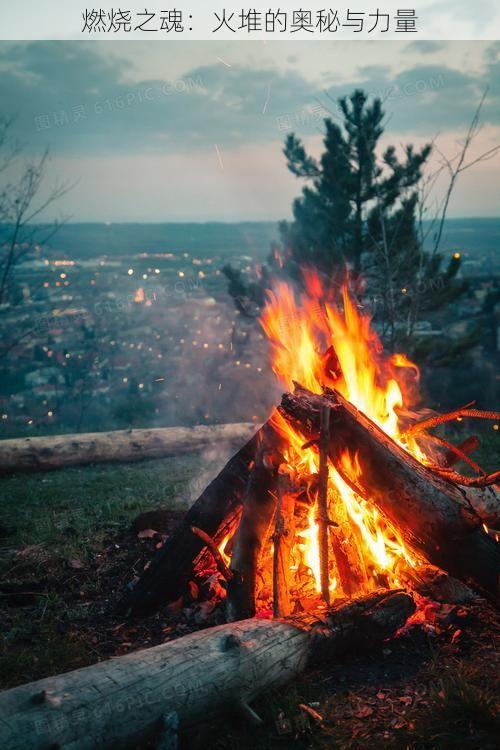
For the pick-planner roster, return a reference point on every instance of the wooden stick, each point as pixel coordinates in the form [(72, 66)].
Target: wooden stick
[(218, 559), (457, 452), (469, 445), (484, 480), (324, 442), (283, 542), (426, 424)]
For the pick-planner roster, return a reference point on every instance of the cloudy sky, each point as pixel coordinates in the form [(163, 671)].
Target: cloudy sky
[(193, 131)]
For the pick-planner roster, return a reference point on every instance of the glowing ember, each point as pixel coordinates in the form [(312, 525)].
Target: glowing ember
[(318, 343)]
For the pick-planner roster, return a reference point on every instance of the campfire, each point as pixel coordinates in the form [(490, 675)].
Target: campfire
[(344, 490)]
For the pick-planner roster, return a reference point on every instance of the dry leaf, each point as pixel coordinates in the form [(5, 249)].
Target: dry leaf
[(146, 534), (76, 564)]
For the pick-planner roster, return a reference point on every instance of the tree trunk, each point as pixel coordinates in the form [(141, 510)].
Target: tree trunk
[(213, 512), (57, 452), (128, 700), (426, 509)]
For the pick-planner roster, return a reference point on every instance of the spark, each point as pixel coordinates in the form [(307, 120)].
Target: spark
[(223, 62), (267, 98), (221, 163)]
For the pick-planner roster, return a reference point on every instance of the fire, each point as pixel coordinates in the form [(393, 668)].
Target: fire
[(222, 547), (310, 549), (318, 343)]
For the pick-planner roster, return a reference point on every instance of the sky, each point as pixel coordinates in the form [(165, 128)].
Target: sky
[(194, 131)]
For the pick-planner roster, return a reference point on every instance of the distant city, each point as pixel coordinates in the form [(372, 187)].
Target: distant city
[(131, 325)]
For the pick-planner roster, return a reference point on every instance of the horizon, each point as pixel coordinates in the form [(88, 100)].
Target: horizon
[(228, 222)]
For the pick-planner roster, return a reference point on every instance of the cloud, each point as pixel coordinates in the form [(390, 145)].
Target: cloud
[(426, 46), (425, 99), (81, 102)]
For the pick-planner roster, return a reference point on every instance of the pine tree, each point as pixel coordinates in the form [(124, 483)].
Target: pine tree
[(359, 209), (348, 188)]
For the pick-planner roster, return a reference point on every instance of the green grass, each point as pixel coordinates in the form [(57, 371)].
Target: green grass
[(48, 520), (34, 646), (66, 512)]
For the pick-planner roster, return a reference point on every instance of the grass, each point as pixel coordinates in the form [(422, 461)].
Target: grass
[(65, 513), (47, 523), (462, 711)]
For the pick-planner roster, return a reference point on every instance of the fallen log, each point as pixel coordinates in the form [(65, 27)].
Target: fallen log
[(165, 578), (426, 509), (122, 446), (132, 699)]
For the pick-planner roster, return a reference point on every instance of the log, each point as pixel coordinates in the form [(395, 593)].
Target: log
[(435, 584), (165, 578), (283, 540), (119, 446), (132, 699), (322, 503), (426, 509), (349, 579), (485, 501), (253, 531)]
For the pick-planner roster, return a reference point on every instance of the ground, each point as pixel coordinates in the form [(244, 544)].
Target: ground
[(68, 550)]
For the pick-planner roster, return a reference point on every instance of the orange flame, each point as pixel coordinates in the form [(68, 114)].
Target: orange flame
[(318, 343)]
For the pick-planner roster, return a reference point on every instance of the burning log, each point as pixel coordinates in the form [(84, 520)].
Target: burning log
[(127, 701), (349, 580), (426, 509), (283, 539), (253, 530), (213, 512)]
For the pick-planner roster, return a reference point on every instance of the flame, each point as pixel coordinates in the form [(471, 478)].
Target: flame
[(310, 549), (318, 343), (222, 547), (139, 295)]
